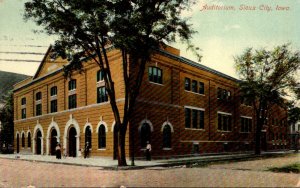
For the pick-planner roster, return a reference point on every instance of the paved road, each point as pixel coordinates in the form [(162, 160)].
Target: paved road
[(17, 173)]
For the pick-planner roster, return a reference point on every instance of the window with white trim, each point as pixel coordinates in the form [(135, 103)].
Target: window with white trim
[(100, 76), (88, 136), (155, 75), (194, 118), (23, 109), (246, 125), (145, 134), (101, 137), (223, 94), (72, 94), (201, 88), (224, 122), (194, 86), (72, 85), (38, 106), (53, 102), (187, 84), (167, 136), (102, 95)]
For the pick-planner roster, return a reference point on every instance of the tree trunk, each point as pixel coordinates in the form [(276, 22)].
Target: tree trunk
[(258, 136), (121, 147)]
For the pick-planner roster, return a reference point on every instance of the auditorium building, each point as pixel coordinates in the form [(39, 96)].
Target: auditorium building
[(183, 108)]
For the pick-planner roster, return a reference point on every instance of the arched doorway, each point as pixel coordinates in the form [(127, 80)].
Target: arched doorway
[(72, 142), (145, 134), (38, 142), (18, 143), (53, 141)]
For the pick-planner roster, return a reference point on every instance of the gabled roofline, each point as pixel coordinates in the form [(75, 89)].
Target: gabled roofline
[(42, 63)]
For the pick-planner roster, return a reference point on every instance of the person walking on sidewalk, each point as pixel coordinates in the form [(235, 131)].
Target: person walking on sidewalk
[(148, 151), (58, 151)]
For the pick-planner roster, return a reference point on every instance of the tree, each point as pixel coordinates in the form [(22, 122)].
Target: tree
[(294, 114), (136, 28), (267, 77), (7, 120)]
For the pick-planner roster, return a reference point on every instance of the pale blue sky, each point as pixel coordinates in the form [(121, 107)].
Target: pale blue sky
[(221, 34)]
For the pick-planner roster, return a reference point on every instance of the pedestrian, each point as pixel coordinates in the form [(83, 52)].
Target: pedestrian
[(79, 153), (58, 151), (86, 150), (148, 151)]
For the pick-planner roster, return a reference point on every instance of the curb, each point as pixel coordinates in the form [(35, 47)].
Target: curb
[(180, 162)]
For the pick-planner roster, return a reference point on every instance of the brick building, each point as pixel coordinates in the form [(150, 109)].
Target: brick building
[(183, 108)]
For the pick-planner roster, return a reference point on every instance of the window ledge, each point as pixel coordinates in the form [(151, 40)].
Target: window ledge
[(220, 131), (72, 92), (102, 149), (195, 93), (245, 132), (246, 105), (194, 129), (167, 149), (156, 83)]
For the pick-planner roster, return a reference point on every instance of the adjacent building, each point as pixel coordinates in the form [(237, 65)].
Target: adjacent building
[(183, 108)]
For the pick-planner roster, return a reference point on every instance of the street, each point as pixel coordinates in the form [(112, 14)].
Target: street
[(18, 173)]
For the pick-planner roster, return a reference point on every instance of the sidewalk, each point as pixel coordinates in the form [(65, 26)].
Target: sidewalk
[(109, 163)]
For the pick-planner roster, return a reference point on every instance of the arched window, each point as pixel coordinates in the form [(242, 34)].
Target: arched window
[(167, 136), (101, 137), (23, 140), (88, 136), (145, 134), (29, 140)]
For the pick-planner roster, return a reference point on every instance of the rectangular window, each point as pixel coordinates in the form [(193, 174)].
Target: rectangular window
[(72, 85), (38, 96), (23, 112), (201, 119), (53, 107), (187, 118), (101, 95), (155, 75), (53, 91), (23, 101), (38, 109), (223, 94), (246, 125), (219, 93), (201, 88), (187, 84), (195, 118), (100, 76), (194, 86), (224, 122), (72, 101)]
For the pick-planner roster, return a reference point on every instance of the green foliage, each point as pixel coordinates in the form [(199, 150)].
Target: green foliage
[(268, 75), (90, 28), (266, 78), (7, 120), (135, 26), (7, 80), (294, 114), (294, 168)]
